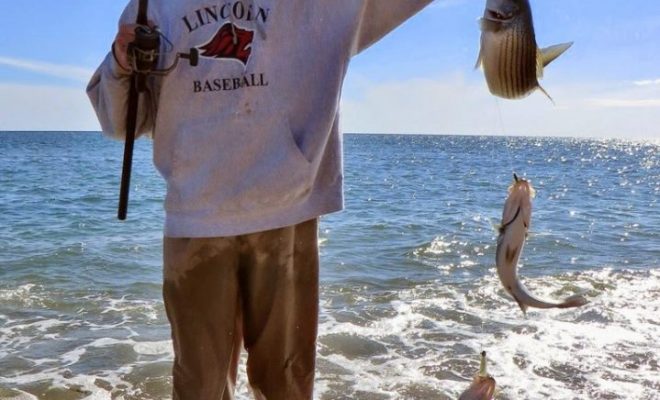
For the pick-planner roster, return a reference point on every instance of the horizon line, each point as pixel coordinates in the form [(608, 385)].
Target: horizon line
[(511, 135)]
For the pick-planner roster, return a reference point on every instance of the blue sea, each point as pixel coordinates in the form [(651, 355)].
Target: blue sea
[(409, 293)]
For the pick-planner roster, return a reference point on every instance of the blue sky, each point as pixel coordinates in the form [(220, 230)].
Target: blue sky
[(419, 79)]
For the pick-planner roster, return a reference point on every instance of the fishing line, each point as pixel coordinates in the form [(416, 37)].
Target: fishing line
[(507, 144), (507, 141), (483, 347)]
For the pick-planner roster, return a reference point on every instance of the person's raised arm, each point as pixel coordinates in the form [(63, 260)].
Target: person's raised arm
[(379, 17), (108, 89)]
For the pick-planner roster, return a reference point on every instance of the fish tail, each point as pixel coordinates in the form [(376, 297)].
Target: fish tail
[(526, 300), (573, 301)]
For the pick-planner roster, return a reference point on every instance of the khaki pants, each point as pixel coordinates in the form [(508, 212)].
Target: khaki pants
[(259, 290)]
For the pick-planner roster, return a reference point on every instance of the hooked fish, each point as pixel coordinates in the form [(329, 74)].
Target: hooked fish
[(483, 385), (516, 218), (511, 60)]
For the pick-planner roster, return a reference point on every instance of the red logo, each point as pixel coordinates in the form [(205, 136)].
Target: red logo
[(230, 42)]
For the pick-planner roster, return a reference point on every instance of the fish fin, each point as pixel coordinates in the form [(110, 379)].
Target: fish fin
[(539, 64), (527, 216), (479, 62), (482, 23), (546, 93), (549, 54), (523, 306)]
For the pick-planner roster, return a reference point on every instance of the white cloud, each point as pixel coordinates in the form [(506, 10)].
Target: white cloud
[(647, 82), (69, 72), (455, 105), (45, 108), (626, 103), (448, 105)]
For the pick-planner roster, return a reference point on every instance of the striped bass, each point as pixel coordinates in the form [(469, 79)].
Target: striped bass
[(511, 60), (516, 218), (483, 385)]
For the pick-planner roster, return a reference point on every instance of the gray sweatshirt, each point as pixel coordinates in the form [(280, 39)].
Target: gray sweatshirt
[(249, 139)]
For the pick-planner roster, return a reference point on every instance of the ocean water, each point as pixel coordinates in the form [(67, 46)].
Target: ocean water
[(409, 293)]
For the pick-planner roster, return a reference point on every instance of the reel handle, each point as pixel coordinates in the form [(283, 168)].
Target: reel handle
[(192, 57)]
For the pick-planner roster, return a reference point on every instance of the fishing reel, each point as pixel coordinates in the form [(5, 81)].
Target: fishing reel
[(145, 50)]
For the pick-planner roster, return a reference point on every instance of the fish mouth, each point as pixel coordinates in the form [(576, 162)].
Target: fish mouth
[(499, 16)]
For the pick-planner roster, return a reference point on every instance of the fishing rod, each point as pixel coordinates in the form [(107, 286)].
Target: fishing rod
[(143, 54)]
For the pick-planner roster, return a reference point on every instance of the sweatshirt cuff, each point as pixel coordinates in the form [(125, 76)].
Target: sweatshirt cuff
[(117, 69)]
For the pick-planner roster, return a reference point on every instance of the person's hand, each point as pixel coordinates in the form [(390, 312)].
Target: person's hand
[(125, 36)]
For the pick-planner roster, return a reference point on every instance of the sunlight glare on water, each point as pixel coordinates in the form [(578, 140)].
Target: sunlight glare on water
[(409, 293)]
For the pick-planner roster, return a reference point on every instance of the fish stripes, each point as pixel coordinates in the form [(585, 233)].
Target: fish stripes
[(515, 68), (516, 65)]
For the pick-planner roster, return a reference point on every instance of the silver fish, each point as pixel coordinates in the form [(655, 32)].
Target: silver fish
[(483, 385), (511, 60), (516, 218)]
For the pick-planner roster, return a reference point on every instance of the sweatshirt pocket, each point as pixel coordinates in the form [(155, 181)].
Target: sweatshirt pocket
[(240, 166)]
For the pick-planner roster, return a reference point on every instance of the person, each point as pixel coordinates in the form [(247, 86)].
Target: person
[(249, 146)]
